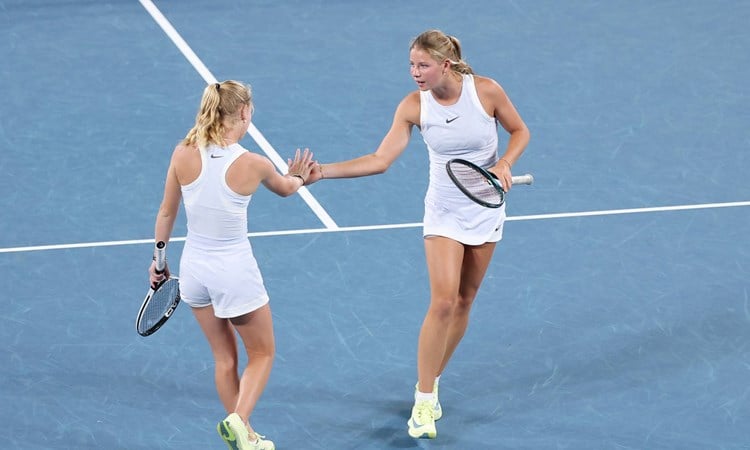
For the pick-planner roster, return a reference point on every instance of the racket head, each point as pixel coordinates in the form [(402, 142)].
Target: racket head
[(158, 307), (476, 183)]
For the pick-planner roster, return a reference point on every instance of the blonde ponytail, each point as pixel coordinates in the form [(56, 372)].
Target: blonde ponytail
[(221, 102)]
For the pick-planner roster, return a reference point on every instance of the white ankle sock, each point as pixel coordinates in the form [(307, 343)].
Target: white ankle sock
[(422, 396)]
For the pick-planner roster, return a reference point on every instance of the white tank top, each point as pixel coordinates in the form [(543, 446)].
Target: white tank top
[(216, 215), (462, 130)]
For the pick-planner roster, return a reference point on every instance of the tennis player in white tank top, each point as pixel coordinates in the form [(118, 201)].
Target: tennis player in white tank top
[(217, 265), (457, 113), (461, 130), (219, 277)]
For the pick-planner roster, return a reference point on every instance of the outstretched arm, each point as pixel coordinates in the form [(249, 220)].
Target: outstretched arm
[(286, 185), (390, 148)]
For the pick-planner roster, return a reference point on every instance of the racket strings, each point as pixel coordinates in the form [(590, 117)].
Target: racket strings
[(476, 183), (161, 301)]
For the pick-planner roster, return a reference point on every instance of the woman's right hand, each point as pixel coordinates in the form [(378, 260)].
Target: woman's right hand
[(316, 174), (157, 278)]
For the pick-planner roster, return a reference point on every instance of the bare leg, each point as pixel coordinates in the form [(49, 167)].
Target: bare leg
[(237, 394), (444, 260), (475, 263), (223, 343), (256, 331)]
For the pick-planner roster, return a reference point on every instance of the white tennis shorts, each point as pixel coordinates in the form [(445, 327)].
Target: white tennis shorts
[(229, 279)]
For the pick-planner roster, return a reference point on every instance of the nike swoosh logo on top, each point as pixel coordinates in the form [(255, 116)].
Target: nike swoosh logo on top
[(216, 156), (451, 120)]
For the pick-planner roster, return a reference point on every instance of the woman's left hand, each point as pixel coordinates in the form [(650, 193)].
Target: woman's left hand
[(302, 164)]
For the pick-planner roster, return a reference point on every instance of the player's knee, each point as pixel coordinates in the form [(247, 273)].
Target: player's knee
[(463, 304), (443, 307), (226, 363), (264, 350)]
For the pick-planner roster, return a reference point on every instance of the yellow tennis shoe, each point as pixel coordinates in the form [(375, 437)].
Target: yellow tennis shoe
[(235, 434), (437, 409), (422, 421)]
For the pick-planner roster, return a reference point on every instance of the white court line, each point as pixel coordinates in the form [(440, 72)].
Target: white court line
[(610, 212), (613, 212), (272, 154)]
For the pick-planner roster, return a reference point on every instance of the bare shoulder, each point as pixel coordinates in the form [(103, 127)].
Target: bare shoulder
[(184, 151), (492, 96), (409, 108), (255, 162), (412, 98), (186, 163), (254, 158), (488, 86)]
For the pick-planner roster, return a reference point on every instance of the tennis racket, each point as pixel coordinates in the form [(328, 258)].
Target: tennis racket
[(479, 184), (161, 300)]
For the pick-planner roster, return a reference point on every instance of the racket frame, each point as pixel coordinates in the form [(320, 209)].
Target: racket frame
[(489, 177), (160, 256)]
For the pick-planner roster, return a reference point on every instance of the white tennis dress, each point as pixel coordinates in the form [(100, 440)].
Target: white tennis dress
[(462, 130), (217, 265)]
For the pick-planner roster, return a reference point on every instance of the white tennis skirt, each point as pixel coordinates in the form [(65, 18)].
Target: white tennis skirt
[(463, 220)]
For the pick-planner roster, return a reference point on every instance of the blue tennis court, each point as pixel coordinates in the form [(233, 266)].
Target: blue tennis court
[(615, 313)]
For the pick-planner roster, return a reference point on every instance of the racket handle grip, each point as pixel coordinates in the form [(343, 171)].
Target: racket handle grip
[(160, 256), (523, 179)]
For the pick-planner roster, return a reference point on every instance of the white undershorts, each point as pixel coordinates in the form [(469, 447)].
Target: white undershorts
[(229, 279)]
